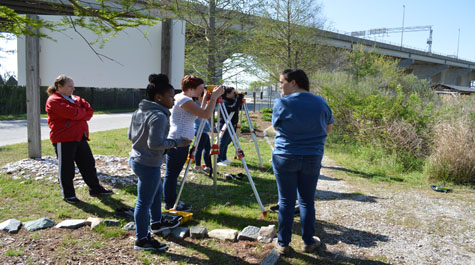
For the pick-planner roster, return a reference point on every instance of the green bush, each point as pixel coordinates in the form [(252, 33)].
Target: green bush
[(245, 126), (266, 116), (266, 110), (381, 108)]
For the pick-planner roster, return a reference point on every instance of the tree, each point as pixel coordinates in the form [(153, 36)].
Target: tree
[(216, 29), (104, 17), (288, 35)]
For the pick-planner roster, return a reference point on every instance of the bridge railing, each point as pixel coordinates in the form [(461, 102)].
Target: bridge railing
[(398, 44)]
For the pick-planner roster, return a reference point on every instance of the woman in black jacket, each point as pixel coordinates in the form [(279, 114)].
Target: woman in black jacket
[(233, 104)]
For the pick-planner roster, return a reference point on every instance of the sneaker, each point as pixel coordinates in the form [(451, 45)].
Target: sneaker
[(226, 161), (72, 200), (222, 164), (282, 250), (180, 207), (149, 243), (207, 170), (100, 192), (165, 223), (312, 248)]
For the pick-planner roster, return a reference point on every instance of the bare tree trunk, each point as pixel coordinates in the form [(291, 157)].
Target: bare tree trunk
[(211, 42), (33, 95)]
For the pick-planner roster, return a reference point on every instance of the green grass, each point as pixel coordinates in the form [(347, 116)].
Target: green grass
[(232, 205), (372, 163)]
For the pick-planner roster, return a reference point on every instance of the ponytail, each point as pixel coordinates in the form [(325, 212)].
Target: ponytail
[(60, 80)]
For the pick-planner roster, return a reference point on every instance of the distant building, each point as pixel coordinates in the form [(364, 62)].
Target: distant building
[(453, 89)]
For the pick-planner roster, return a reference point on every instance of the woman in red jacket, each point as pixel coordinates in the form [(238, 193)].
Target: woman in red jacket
[(67, 118)]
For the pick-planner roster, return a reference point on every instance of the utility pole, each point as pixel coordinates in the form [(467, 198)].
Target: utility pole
[(458, 43), (403, 15)]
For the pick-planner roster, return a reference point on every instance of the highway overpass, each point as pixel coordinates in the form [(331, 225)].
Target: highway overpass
[(425, 65)]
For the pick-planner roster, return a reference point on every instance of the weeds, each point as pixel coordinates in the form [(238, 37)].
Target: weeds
[(453, 157)]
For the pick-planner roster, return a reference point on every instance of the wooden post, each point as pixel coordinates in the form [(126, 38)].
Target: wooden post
[(33, 95), (166, 47)]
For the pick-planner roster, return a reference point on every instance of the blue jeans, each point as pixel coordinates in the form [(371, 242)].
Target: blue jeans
[(223, 145), (175, 159), (149, 197), (203, 149), (296, 173)]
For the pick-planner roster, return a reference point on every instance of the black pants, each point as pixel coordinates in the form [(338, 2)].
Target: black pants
[(79, 152)]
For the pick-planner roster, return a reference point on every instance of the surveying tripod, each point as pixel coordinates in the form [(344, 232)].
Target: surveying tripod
[(221, 110), (251, 129)]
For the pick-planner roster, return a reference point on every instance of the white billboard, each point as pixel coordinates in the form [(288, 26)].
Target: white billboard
[(128, 58)]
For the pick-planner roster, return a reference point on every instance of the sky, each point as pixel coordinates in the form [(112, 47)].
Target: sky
[(445, 16)]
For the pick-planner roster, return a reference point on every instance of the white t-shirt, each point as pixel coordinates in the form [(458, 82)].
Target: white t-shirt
[(181, 121)]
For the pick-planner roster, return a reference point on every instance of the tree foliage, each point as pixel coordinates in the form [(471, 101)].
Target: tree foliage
[(215, 31), (288, 35), (103, 17)]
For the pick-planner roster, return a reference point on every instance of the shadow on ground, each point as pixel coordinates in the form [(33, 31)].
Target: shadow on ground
[(364, 174)]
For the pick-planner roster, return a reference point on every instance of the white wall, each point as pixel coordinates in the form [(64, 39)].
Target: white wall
[(134, 58)]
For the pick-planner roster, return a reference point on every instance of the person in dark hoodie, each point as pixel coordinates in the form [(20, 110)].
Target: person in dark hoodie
[(233, 104), (148, 132)]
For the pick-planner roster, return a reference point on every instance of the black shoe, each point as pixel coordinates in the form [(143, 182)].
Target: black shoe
[(180, 207), (125, 212), (100, 192), (149, 243), (167, 222), (72, 200), (240, 176)]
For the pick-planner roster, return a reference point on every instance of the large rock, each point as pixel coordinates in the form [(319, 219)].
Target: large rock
[(224, 234), (180, 232), (111, 222), (266, 234), (38, 224), (93, 222), (249, 233), (11, 226), (129, 227), (71, 224), (198, 232)]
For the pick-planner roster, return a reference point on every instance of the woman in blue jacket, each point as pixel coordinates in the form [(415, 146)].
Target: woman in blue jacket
[(302, 121)]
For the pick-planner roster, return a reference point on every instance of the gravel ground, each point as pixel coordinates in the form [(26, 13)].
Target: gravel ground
[(394, 223)]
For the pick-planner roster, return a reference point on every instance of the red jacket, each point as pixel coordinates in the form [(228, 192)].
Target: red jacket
[(67, 121)]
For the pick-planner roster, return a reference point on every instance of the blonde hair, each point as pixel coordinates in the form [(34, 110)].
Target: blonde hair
[(60, 80)]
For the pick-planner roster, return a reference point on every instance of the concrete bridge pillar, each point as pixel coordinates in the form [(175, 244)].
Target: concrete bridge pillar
[(456, 76), (428, 72), (466, 79)]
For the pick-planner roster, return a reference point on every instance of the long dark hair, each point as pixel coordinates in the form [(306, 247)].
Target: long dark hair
[(158, 84), (299, 76)]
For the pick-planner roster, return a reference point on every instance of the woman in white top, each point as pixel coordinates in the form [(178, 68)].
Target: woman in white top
[(184, 113)]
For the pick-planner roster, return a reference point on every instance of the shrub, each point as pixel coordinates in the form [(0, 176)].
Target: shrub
[(245, 126), (266, 110), (266, 116)]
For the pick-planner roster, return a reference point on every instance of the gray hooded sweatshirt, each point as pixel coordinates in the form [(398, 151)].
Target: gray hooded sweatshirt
[(148, 132)]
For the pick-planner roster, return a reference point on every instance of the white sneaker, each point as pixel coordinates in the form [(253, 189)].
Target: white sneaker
[(226, 161), (222, 164)]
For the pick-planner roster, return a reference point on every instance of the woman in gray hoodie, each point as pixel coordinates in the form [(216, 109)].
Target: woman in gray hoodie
[(148, 132)]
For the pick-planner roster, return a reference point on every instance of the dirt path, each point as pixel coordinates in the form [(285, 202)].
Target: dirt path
[(360, 220)]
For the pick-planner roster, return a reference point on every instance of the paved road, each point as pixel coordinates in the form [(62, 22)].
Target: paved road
[(13, 132)]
